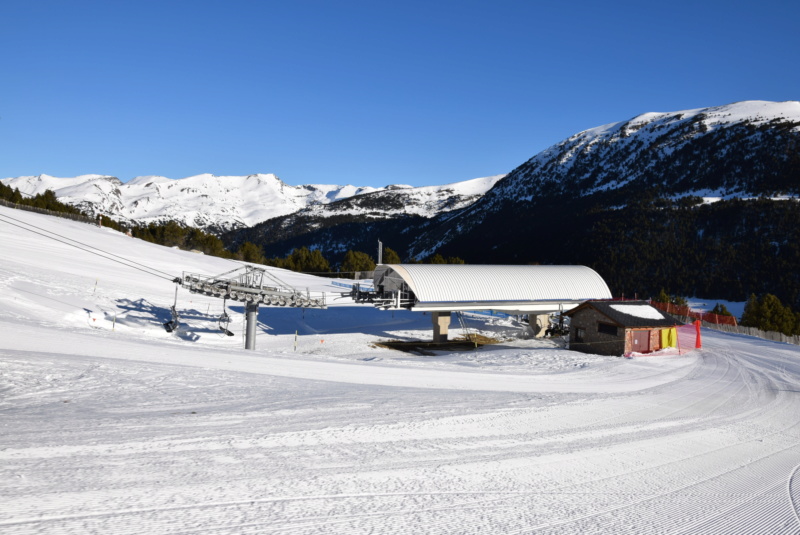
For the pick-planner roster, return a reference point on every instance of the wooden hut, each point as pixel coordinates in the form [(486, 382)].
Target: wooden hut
[(620, 327)]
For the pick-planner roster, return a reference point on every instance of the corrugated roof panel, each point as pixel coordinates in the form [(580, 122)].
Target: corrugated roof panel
[(438, 283)]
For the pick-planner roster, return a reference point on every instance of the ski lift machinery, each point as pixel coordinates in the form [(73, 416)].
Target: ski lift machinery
[(252, 286)]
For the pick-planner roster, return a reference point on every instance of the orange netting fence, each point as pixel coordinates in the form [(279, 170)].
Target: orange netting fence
[(686, 312), (683, 338)]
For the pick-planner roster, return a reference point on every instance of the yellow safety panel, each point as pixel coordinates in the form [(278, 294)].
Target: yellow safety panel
[(669, 337)]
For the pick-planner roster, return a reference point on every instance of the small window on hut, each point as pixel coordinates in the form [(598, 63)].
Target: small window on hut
[(579, 334), (605, 328)]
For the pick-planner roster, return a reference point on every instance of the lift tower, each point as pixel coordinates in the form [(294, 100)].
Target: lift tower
[(252, 286)]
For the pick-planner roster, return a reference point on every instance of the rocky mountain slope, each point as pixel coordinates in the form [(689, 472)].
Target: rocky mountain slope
[(700, 202), (358, 221), (741, 150)]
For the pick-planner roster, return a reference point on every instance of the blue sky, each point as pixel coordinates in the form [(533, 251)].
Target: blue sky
[(364, 93)]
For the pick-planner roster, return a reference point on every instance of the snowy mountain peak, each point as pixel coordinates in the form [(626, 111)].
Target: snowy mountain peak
[(222, 203), (401, 200), (755, 112)]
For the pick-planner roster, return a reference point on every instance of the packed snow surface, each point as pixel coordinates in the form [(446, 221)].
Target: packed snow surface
[(111, 425)]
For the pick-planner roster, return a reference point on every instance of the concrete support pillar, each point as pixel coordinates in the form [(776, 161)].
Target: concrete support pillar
[(539, 324), (251, 311), (441, 322)]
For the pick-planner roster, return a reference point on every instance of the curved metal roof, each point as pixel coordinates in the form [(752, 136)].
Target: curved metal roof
[(454, 286)]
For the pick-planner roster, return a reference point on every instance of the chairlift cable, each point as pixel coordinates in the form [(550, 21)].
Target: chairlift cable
[(88, 249), (87, 245)]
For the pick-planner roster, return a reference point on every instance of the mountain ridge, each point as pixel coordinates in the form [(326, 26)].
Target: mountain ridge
[(744, 149), (225, 203)]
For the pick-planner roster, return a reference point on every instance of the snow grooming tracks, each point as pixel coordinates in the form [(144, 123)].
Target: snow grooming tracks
[(132, 432), (793, 487)]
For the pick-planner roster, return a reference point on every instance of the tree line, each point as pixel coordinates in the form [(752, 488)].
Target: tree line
[(46, 200), (303, 259), (727, 249), (769, 314)]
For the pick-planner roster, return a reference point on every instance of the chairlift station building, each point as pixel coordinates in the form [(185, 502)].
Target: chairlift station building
[(436, 288), (444, 288)]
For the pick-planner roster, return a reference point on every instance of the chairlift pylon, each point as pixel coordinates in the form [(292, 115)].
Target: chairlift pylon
[(251, 286)]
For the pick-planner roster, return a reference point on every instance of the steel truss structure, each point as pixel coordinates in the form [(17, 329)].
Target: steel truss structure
[(250, 284)]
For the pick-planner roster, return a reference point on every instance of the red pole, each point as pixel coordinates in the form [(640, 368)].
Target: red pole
[(699, 343)]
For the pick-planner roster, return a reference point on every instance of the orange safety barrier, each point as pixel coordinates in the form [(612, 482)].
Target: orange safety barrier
[(689, 337)]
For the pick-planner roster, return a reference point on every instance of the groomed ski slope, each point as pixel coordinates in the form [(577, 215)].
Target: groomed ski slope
[(110, 425)]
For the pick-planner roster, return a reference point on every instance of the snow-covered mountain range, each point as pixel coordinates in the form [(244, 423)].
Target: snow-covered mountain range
[(741, 150), (223, 203), (205, 201), (398, 201)]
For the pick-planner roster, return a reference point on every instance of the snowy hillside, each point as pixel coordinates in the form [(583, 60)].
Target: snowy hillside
[(111, 425), (222, 203), (708, 152), (737, 151)]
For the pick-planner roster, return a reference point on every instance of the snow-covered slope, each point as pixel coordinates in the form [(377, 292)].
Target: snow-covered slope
[(676, 150), (221, 203), (111, 425), (204, 201)]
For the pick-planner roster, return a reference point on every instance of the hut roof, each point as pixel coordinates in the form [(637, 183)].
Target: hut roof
[(633, 314)]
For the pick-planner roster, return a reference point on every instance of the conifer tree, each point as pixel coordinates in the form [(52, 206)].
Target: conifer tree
[(250, 252), (390, 256), (721, 310), (662, 297), (357, 261), (751, 314), (769, 314)]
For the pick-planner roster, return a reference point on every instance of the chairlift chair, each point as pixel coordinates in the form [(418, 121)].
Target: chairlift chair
[(224, 320), (174, 323)]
